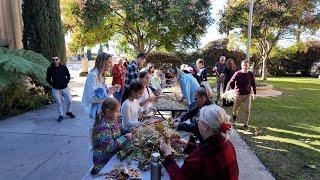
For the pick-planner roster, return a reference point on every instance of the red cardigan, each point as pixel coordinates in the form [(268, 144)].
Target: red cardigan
[(214, 159), (118, 74)]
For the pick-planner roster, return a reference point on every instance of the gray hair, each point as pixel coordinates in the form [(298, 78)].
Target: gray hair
[(213, 116), (118, 60)]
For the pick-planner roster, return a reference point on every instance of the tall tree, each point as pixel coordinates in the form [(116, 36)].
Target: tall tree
[(272, 20), (43, 32), (145, 24), (306, 16)]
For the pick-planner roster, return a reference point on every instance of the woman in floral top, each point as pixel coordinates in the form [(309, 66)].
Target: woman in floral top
[(107, 137)]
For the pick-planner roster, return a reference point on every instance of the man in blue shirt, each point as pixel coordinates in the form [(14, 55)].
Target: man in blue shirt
[(220, 70)]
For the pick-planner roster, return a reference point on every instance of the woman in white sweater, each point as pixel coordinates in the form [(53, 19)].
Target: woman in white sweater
[(96, 79), (130, 108)]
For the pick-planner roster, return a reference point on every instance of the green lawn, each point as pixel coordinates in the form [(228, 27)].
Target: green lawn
[(286, 129)]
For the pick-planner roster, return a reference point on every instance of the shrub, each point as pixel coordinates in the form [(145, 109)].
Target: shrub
[(296, 60), (22, 81), (159, 59), (21, 97)]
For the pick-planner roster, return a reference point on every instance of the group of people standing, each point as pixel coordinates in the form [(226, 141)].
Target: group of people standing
[(134, 92), (242, 80)]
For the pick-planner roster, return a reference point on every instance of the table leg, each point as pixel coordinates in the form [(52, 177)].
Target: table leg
[(160, 114)]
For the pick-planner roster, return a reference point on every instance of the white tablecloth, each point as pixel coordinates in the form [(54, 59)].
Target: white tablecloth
[(114, 161)]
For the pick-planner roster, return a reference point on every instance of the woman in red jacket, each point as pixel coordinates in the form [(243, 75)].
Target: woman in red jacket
[(118, 76), (213, 159)]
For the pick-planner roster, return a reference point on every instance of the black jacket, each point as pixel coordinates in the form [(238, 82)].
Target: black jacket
[(203, 75), (58, 77), (193, 126)]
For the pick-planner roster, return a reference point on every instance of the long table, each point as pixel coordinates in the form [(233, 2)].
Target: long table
[(116, 162), (168, 102)]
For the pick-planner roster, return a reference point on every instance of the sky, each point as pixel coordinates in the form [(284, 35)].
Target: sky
[(212, 31)]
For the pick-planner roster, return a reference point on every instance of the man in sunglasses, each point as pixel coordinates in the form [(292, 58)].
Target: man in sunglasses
[(58, 77)]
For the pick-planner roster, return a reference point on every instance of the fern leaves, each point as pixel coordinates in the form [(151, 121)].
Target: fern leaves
[(16, 63)]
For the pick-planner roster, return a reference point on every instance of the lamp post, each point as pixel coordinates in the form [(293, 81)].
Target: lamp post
[(249, 29)]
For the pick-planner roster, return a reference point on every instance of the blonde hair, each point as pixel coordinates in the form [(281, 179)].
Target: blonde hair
[(100, 60), (213, 116), (233, 67), (108, 104), (200, 61)]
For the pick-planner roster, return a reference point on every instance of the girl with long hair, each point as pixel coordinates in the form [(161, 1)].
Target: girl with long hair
[(107, 138), (148, 98), (130, 108)]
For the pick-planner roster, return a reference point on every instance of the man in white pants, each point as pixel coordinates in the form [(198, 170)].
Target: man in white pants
[(58, 77)]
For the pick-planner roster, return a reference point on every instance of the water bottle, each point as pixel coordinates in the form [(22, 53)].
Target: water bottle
[(155, 167)]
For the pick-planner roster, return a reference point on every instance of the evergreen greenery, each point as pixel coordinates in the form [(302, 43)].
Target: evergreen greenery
[(43, 32), (17, 64)]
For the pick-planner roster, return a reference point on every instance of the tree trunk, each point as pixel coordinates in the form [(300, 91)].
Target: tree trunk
[(298, 34), (264, 67)]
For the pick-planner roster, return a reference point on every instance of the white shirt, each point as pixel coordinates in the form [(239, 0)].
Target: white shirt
[(92, 83), (148, 106), (130, 111)]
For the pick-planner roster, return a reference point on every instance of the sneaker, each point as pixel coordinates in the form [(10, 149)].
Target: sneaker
[(70, 114), (60, 119), (234, 118), (246, 127)]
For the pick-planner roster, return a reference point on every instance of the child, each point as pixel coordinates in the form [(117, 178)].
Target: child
[(130, 109), (156, 80), (148, 98), (162, 76), (107, 138)]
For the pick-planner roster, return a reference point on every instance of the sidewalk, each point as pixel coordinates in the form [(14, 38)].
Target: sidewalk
[(34, 146)]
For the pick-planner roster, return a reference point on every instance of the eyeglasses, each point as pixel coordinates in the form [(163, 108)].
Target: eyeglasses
[(55, 59)]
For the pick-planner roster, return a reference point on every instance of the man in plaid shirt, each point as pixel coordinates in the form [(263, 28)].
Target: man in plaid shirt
[(132, 72)]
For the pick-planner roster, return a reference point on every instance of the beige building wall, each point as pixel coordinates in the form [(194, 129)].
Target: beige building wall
[(11, 23)]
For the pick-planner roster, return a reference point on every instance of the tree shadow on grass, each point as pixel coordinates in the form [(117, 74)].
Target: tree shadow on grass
[(286, 153)]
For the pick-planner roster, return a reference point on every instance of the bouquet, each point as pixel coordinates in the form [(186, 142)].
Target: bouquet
[(230, 95)]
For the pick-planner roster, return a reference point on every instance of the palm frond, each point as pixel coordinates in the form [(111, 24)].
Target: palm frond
[(7, 78), (23, 62), (36, 58)]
